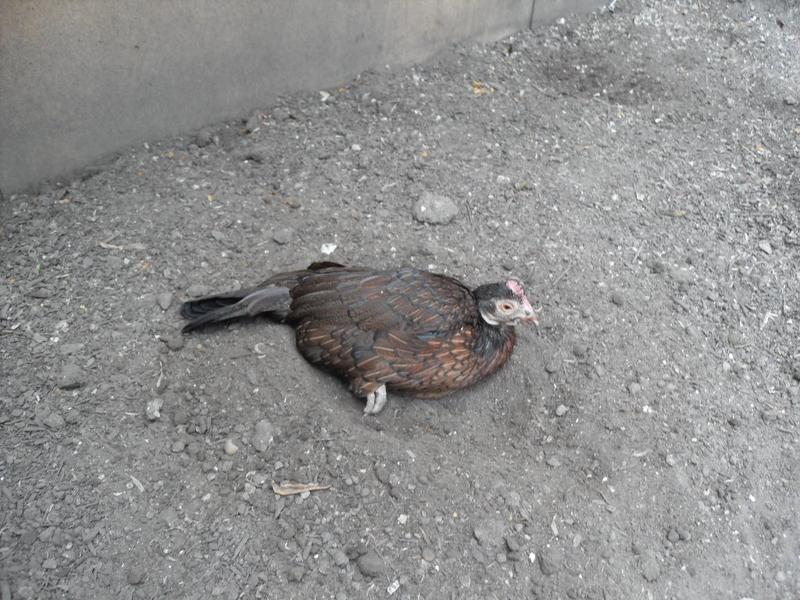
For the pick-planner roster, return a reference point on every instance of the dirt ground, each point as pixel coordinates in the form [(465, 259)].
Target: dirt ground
[(638, 170)]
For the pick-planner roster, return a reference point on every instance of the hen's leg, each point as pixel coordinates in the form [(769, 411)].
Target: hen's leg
[(376, 401)]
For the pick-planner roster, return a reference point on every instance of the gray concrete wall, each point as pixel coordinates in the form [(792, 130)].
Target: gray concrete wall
[(81, 79)]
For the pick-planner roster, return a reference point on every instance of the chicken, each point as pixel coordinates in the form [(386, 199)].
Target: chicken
[(404, 330)]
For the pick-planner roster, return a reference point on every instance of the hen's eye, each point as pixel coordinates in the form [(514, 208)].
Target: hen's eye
[(506, 307)]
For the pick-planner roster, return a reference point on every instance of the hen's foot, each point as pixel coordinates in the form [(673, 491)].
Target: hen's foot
[(376, 401)]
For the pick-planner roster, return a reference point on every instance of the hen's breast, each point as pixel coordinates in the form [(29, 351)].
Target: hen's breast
[(413, 331)]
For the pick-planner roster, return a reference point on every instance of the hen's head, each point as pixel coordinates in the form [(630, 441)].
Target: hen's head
[(504, 303)]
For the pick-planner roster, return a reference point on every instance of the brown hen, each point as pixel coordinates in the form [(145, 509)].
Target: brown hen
[(407, 330)]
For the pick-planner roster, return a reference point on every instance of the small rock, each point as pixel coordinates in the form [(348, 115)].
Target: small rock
[(263, 435), (512, 544), (340, 558), (50, 563), (791, 101), (580, 350), (174, 341), (657, 267), (650, 568), (136, 575), (54, 420), (550, 560), (249, 154), (561, 410), (203, 138), (217, 235), (153, 409), (634, 388), (553, 461), (381, 473), (178, 446), (428, 554), (230, 447), (551, 366), (295, 574), (673, 535), (735, 338), (252, 124), (435, 209), (198, 289), (503, 180), (283, 236), (370, 564), (617, 298), (73, 417), (180, 416), (765, 247), (67, 349), (71, 377), (681, 275), (671, 460), (164, 300), (489, 532)]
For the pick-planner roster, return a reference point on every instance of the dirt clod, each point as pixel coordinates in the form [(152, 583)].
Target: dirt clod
[(371, 564)]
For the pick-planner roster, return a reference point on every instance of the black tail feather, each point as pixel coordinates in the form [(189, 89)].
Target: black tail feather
[(234, 305)]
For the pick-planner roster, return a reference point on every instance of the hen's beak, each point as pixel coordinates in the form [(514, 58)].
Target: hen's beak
[(530, 317)]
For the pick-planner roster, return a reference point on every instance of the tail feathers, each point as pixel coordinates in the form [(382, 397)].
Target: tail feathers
[(233, 305)]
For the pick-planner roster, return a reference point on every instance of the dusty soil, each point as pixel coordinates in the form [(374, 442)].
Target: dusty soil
[(639, 170)]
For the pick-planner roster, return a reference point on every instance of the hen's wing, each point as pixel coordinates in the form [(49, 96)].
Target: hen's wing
[(404, 299)]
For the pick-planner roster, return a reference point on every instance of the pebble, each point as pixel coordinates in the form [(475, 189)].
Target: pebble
[(198, 289), (252, 124), (340, 558), (681, 275), (67, 349), (180, 416), (617, 298), (634, 388), (263, 435), (657, 267), (203, 138), (54, 420), (551, 366), (136, 575), (73, 417), (50, 563), (230, 447), (153, 409), (673, 535), (295, 574), (550, 560), (178, 446), (791, 101), (489, 532), (580, 350), (765, 247), (435, 209), (552, 461), (217, 235), (650, 568), (561, 410), (283, 236), (164, 300), (71, 377), (735, 338), (174, 341), (671, 460), (428, 554), (370, 564)]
